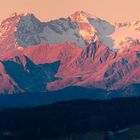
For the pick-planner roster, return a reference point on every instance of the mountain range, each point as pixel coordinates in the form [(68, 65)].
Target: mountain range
[(78, 51)]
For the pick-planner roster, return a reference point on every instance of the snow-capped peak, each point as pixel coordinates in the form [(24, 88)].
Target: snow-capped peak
[(86, 30), (9, 24), (115, 36), (83, 15)]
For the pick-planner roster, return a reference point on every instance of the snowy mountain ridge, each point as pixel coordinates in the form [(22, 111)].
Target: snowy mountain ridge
[(80, 28)]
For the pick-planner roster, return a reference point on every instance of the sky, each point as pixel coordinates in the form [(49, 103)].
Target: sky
[(111, 10)]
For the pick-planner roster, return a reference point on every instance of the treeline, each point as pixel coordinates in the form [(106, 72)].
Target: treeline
[(68, 118)]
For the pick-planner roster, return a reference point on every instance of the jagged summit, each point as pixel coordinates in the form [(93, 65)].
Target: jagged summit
[(15, 14), (83, 14), (86, 30)]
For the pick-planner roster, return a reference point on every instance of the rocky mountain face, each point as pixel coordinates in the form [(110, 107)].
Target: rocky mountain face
[(80, 50)]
